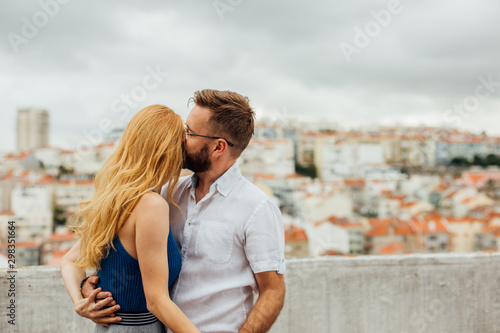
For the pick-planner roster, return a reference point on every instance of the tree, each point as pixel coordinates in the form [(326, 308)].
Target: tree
[(308, 171), (493, 159), (459, 162), (478, 160), (59, 216), (64, 171)]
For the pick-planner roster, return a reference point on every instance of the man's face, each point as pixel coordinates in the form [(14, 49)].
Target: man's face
[(198, 161), (196, 149)]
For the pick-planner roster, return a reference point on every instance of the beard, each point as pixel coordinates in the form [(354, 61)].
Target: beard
[(197, 162)]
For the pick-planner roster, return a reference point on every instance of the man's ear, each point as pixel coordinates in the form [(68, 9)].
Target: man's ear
[(221, 146)]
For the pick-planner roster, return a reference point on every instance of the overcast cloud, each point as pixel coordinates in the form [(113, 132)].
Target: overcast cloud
[(281, 54)]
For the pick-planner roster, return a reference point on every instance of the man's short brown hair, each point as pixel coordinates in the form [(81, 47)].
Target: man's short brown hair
[(232, 117)]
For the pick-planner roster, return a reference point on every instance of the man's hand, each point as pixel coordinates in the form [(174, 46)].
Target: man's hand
[(90, 285), (99, 311), (269, 304)]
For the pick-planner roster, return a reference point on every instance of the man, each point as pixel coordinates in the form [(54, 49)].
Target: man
[(229, 233)]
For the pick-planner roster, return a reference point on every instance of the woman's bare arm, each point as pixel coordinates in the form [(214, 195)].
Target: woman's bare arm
[(152, 230)]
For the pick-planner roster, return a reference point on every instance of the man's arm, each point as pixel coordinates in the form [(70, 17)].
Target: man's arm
[(90, 307), (269, 304)]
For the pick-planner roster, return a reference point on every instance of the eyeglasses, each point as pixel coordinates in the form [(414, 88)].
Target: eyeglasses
[(210, 137)]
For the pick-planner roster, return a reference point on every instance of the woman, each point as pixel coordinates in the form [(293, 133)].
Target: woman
[(125, 231)]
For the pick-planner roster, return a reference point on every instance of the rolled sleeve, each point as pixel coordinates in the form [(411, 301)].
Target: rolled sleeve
[(265, 239)]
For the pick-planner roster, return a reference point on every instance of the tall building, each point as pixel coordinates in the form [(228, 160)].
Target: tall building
[(32, 128)]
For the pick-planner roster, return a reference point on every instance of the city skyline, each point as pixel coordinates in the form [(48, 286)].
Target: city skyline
[(354, 64), (99, 135)]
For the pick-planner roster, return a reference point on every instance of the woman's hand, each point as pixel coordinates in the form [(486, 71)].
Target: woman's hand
[(100, 312)]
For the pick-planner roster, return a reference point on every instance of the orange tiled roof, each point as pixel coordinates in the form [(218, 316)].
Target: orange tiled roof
[(354, 182), (22, 245), (379, 223), (332, 218), (396, 197), (452, 193), (57, 257), (347, 224), (9, 175), (481, 208), (264, 175), (42, 181), (332, 253), (21, 156), (341, 222), (107, 144), (46, 180), (294, 233), (466, 219), (60, 253), (491, 228), (379, 231), (403, 229), (424, 226), (24, 174), (69, 235), (480, 179), (441, 187), (476, 177), (494, 214), (27, 244), (77, 182), (392, 248), (294, 175)]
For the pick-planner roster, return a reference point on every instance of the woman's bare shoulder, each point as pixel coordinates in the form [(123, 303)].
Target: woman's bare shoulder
[(152, 203)]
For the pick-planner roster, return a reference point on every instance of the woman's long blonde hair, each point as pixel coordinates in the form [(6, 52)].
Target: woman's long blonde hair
[(149, 154)]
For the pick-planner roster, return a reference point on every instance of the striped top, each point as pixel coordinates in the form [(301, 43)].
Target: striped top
[(120, 274)]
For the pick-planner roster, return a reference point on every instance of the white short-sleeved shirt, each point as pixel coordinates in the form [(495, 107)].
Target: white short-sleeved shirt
[(232, 233)]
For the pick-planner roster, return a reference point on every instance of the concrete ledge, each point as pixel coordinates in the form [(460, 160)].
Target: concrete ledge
[(42, 303), (411, 293)]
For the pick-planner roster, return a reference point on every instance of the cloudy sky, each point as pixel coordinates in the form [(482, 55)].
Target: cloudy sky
[(353, 62)]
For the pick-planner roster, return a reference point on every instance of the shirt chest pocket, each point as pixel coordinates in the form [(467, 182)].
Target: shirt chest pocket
[(215, 242)]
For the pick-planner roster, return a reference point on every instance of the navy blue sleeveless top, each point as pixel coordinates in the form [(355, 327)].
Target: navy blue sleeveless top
[(120, 274)]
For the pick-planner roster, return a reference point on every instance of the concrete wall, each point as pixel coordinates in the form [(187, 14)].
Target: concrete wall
[(413, 293)]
